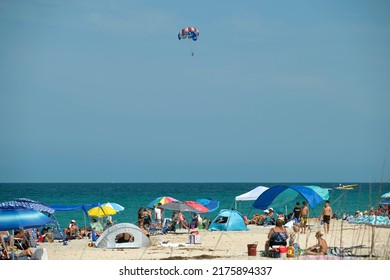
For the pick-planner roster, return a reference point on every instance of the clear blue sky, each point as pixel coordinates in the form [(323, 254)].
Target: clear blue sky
[(103, 91)]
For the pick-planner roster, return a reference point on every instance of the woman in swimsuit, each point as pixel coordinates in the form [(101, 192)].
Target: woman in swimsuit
[(276, 236)]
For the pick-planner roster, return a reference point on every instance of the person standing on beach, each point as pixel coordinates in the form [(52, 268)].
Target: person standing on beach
[(326, 215), (296, 213), (157, 213), (304, 217)]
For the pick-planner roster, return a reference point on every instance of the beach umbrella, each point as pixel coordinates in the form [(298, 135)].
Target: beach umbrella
[(102, 211), (199, 207), (210, 204), (25, 203), (162, 199), (117, 207), (22, 219), (181, 206)]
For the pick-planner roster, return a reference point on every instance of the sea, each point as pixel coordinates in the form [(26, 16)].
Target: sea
[(132, 196)]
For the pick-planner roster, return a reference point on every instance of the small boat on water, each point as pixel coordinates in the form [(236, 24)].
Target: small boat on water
[(347, 187)]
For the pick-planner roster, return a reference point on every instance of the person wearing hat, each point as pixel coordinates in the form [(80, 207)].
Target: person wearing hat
[(321, 248), (72, 230)]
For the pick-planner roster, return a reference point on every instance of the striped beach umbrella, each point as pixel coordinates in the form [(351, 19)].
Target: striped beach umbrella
[(162, 199), (115, 206)]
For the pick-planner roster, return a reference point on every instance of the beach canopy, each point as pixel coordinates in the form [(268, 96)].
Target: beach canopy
[(312, 194), (228, 220), (252, 195)]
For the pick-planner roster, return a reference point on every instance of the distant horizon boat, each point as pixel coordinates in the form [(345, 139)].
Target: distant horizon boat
[(347, 187)]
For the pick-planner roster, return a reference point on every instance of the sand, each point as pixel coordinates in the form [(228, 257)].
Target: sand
[(227, 245)]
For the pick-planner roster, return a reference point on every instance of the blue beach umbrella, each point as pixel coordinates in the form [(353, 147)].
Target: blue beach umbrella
[(209, 203), (22, 219), (25, 203), (117, 207)]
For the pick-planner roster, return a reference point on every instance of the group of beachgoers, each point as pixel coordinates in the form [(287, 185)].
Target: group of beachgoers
[(278, 235), (19, 245), (381, 211), (151, 220)]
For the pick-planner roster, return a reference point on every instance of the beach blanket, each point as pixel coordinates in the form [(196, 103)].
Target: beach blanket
[(345, 252), (336, 253)]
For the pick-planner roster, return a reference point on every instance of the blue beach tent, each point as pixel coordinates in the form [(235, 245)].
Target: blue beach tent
[(228, 220)]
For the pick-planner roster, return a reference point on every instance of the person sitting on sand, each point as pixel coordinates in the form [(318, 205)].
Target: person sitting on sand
[(182, 220), (97, 226), (6, 237), (3, 247), (72, 230), (321, 248), (276, 236)]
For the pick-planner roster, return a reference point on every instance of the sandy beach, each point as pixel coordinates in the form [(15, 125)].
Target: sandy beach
[(228, 245)]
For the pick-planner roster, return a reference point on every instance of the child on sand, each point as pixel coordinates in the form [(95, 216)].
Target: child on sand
[(304, 217), (321, 248)]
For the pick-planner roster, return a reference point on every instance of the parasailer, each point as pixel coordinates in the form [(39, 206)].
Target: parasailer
[(189, 33)]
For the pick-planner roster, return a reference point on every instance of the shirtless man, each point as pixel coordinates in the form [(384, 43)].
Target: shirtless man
[(321, 248), (326, 216), (304, 217)]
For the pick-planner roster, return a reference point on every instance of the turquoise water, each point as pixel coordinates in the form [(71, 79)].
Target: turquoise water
[(135, 195)]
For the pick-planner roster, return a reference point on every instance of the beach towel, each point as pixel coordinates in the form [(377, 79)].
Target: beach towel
[(345, 252)]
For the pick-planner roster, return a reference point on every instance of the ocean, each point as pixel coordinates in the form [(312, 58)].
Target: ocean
[(135, 195)]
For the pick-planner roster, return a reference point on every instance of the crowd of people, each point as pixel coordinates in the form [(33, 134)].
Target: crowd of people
[(154, 219)]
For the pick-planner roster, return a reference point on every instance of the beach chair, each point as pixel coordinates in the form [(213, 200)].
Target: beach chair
[(168, 226), (154, 229)]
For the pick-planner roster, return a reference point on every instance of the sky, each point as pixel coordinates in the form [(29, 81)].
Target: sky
[(103, 91)]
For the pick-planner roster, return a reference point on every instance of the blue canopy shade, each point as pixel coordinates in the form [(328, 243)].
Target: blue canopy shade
[(22, 219), (312, 194)]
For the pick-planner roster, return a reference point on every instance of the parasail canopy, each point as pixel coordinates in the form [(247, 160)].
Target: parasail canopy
[(189, 33)]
